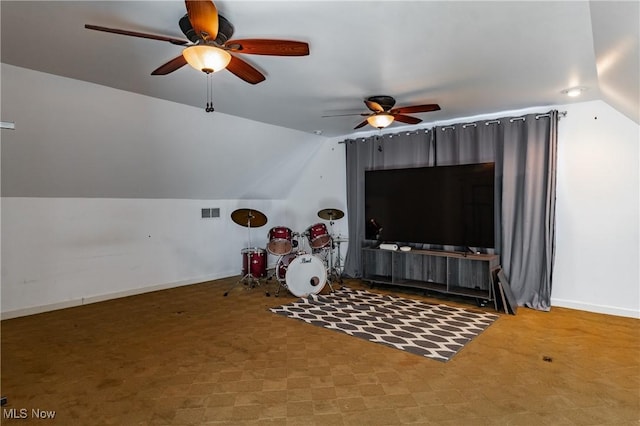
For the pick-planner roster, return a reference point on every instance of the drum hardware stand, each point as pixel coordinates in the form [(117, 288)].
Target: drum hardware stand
[(331, 269), (280, 287), (270, 276), (248, 279), (329, 266), (329, 283), (241, 216), (333, 273)]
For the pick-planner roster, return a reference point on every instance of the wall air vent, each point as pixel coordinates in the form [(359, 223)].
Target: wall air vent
[(210, 212)]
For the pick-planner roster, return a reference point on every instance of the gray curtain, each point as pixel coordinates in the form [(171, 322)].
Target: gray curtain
[(411, 149), (528, 159), (524, 152)]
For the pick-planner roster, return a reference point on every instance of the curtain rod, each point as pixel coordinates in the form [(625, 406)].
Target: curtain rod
[(390, 135), (561, 114)]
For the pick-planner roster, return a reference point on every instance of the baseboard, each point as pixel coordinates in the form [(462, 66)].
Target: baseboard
[(599, 309), (103, 297)]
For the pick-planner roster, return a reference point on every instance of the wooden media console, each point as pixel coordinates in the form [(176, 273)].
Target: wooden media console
[(463, 274)]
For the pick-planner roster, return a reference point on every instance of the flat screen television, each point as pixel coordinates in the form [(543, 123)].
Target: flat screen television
[(443, 205)]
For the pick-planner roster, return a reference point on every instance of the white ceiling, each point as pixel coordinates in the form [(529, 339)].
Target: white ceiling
[(469, 57)]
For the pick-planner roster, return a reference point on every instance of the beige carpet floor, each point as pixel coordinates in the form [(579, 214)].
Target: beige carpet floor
[(190, 356)]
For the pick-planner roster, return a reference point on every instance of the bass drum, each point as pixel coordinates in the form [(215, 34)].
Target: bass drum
[(305, 275), (283, 265)]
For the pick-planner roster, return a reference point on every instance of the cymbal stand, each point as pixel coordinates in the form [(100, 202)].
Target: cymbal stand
[(329, 280), (337, 266), (333, 274)]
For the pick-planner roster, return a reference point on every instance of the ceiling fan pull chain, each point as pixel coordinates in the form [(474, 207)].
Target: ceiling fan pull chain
[(209, 107), (209, 76), (207, 95)]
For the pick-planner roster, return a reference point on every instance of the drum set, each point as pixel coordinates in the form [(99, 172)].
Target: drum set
[(307, 261)]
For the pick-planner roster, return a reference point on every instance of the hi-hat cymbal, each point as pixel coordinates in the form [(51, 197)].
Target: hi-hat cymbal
[(249, 218), (330, 214)]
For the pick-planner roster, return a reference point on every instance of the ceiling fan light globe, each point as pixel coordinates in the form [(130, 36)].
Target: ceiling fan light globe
[(380, 121), (206, 58)]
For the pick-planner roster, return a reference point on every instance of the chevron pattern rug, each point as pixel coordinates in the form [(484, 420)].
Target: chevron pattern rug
[(434, 331)]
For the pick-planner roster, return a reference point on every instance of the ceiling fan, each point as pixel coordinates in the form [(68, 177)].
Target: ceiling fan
[(209, 48), (383, 113)]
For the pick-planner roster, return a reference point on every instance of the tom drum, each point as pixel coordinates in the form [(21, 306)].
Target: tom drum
[(318, 235), (280, 240)]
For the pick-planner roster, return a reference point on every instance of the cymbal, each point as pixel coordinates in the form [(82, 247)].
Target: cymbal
[(330, 214), (249, 218)]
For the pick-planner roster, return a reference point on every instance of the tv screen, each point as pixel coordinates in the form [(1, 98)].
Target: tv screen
[(443, 205)]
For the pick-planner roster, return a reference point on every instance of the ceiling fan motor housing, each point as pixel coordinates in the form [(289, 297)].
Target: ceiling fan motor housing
[(187, 29), (386, 102), (225, 30)]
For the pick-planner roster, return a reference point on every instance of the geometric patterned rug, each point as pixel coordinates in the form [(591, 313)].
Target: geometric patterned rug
[(434, 331)]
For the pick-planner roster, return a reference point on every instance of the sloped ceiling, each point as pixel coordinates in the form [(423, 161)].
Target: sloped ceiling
[(615, 39), (469, 57)]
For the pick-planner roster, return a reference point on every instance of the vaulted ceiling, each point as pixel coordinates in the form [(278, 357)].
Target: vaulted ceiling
[(469, 57)]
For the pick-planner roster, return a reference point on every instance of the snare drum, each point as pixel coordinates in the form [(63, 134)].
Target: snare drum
[(318, 235), (280, 240), (305, 275), (254, 260)]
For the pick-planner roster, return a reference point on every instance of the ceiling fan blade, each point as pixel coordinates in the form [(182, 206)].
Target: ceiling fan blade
[(406, 119), (364, 123), (254, 46), (346, 115), (170, 66), (245, 71), (203, 16), (373, 106), (137, 34), (415, 109)]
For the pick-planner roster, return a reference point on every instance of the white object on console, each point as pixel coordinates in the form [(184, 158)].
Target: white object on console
[(389, 246)]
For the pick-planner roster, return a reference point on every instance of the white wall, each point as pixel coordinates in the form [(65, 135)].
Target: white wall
[(77, 139), (598, 192), (61, 252), (321, 186), (102, 191)]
